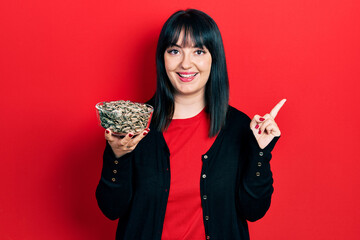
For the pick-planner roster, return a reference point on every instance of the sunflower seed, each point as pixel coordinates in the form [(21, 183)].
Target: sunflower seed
[(123, 117)]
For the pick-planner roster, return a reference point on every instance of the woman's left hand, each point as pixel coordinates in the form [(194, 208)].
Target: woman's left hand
[(265, 127)]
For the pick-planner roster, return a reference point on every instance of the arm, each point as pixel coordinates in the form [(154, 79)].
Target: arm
[(114, 190), (256, 186)]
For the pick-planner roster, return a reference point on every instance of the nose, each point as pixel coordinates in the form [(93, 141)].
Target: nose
[(186, 62)]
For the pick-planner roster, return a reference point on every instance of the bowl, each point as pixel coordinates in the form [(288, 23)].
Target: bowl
[(122, 117)]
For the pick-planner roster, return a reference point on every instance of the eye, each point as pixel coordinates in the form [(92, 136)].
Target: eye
[(173, 51), (200, 52)]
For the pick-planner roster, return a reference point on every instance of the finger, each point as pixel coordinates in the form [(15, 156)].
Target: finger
[(277, 108), (108, 135), (138, 138), (273, 129), (265, 124), (268, 125), (261, 120), (255, 121), (126, 140)]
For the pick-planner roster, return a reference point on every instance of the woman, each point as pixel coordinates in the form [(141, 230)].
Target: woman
[(203, 170)]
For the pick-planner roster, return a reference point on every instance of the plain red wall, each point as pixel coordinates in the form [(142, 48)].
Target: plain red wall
[(59, 58)]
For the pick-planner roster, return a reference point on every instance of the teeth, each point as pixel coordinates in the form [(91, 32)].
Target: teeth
[(187, 75)]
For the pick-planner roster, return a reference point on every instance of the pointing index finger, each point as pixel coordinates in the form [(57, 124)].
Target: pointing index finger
[(277, 108)]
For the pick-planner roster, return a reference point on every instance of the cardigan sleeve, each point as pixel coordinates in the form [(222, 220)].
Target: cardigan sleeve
[(114, 191), (256, 186)]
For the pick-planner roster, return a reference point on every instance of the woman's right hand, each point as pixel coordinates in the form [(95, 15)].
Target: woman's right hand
[(122, 146)]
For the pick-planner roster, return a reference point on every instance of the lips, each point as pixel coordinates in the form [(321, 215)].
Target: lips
[(186, 76)]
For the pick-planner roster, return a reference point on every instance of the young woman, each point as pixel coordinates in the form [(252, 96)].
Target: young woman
[(203, 170)]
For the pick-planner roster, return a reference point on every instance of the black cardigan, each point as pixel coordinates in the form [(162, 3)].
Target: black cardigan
[(236, 184)]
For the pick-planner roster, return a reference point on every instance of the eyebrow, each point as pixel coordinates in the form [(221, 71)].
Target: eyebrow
[(175, 45)]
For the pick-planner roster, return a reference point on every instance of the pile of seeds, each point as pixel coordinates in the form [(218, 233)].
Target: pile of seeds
[(124, 116)]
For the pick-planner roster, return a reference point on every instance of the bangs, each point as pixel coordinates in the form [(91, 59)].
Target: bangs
[(192, 28), (192, 37)]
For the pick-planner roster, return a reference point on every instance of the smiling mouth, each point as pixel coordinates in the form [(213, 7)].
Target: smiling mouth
[(187, 75)]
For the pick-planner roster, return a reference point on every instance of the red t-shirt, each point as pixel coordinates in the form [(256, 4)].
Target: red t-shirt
[(187, 139)]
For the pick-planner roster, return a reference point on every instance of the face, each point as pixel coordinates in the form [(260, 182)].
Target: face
[(188, 68)]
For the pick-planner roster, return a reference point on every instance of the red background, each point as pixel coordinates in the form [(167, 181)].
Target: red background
[(59, 58)]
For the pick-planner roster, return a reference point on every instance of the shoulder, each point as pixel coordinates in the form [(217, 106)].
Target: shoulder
[(237, 125), (235, 116)]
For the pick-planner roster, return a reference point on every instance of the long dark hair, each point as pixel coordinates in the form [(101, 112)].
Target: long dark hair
[(203, 31)]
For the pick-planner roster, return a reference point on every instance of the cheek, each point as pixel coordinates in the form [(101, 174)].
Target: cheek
[(169, 68), (205, 65), (170, 64)]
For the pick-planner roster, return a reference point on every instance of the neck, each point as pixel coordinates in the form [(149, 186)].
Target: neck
[(188, 106)]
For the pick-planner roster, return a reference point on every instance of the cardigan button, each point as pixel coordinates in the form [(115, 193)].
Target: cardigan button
[(113, 179), (116, 161), (205, 156), (114, 171), (261, 154), (204, 175), (206, 218), (257, 174), (208, 237), (259, 164), (204, 197)]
